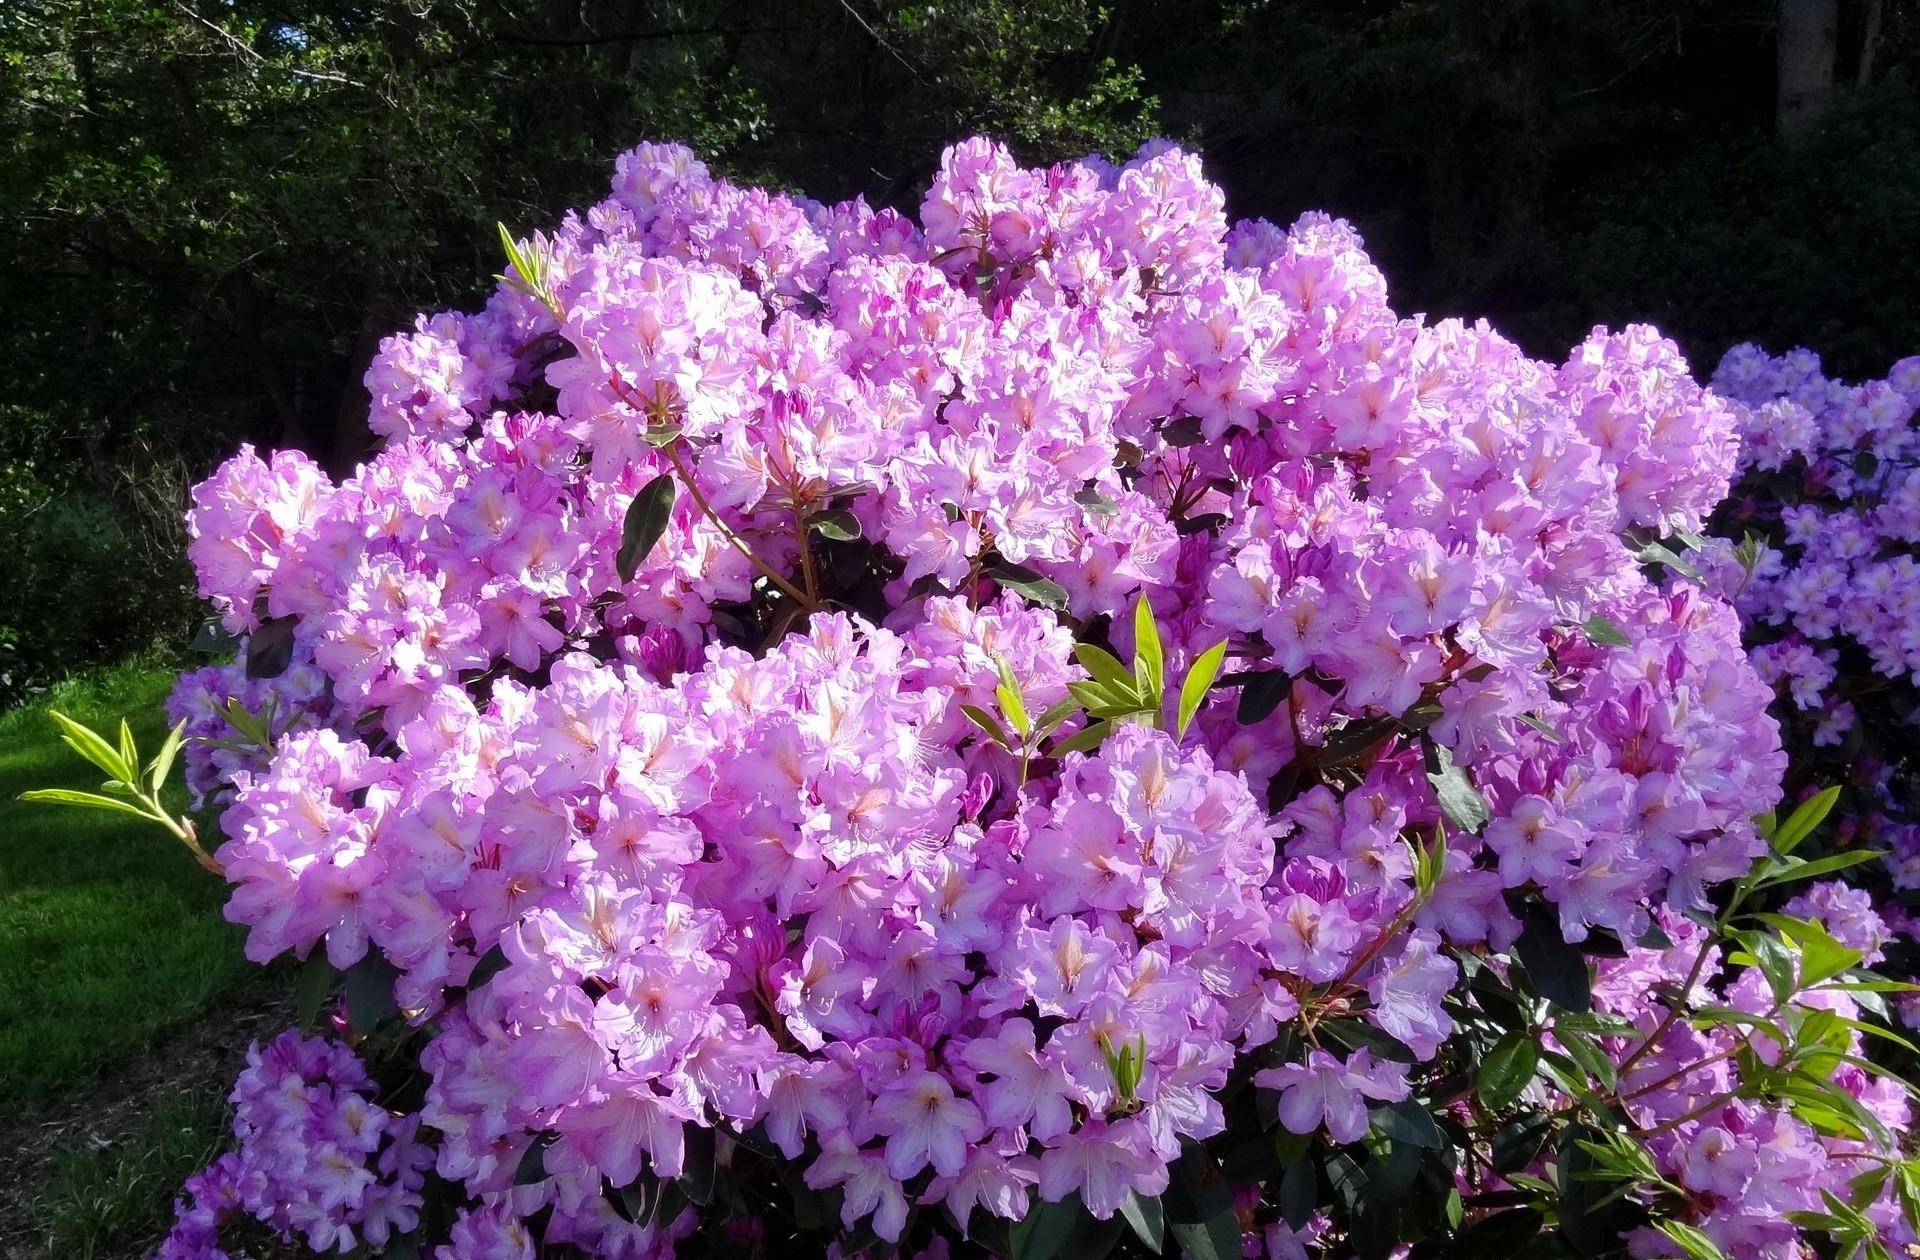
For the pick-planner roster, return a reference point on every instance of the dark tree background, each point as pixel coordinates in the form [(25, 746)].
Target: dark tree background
[(211, 210)]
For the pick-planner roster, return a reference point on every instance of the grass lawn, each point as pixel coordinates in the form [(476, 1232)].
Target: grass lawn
[(109, 932)]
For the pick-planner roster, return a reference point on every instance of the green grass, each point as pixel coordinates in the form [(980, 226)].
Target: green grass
[(109, 932), (111, 1201)]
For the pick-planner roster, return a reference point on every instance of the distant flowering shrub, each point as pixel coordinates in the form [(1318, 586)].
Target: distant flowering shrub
[(1821, 554), (1065, 727)]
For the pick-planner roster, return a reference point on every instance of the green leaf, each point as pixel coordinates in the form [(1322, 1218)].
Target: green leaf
[(1056, 715), (1460, 800), (162, 762), (270, 648), (1599, 1023), (1260, 694), (212, 638), (86, 800), (837, 525), (1147, 1218), (1800, 824), (1765, 951), (645, 522), (1587, 1052), (1086, 741), (1540, 724), (1906, 1188), (1107, 671), (129, 754), (1797, 870), (1299, 1187), (1508, 1067), (1821, 956), (316, 982), (1182, 431), (1558, 970), (1043, 1232), (1011, 702), (1216, 1238), (1407, 1122), (491, 964), (1602, 632), (697, 1165), (1518, 1141), (84, 741), (1090, 497), (1429, 862), (1028, 584), (988, 723), (1098, 699), (370, 992), (511, 248), (533, 1162), (1149, 658), (1660, 553), (251, 727), (1199, 680), (629, 1203), (1199, 1206)]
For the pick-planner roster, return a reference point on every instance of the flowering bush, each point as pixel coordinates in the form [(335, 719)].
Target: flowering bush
[(1818, 552), (1065, 727)]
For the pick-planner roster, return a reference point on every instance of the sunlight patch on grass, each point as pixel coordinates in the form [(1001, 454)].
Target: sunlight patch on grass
[(109, 933)]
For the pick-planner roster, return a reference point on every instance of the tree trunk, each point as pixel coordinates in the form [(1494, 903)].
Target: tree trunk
[(1869, 41), (1808, 33)]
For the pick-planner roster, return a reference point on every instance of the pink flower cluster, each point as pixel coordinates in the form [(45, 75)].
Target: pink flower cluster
[(742, 857), (317, 1158)]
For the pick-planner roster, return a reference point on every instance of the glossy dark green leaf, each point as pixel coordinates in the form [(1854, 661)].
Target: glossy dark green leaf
[(629, 1203), (491, 964), (1460, 800), (1260, 695), (1517, 1143), (213, 639), (1557, 969), (697, 1163), (1299, 1192), (1507, 1069), (838, 525), (1593, 1060), (645, 522), (1216, 1238), (1408, 1122), (317, 977), (369, 987), (1028, 584), (533, 1162), (1147, 1218), (1602, 632), (270, 648), (1199, 1206), (1182, 431), (1043, 1232)]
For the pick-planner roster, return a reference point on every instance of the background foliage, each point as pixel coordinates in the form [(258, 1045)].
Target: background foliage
[(211, 212)]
